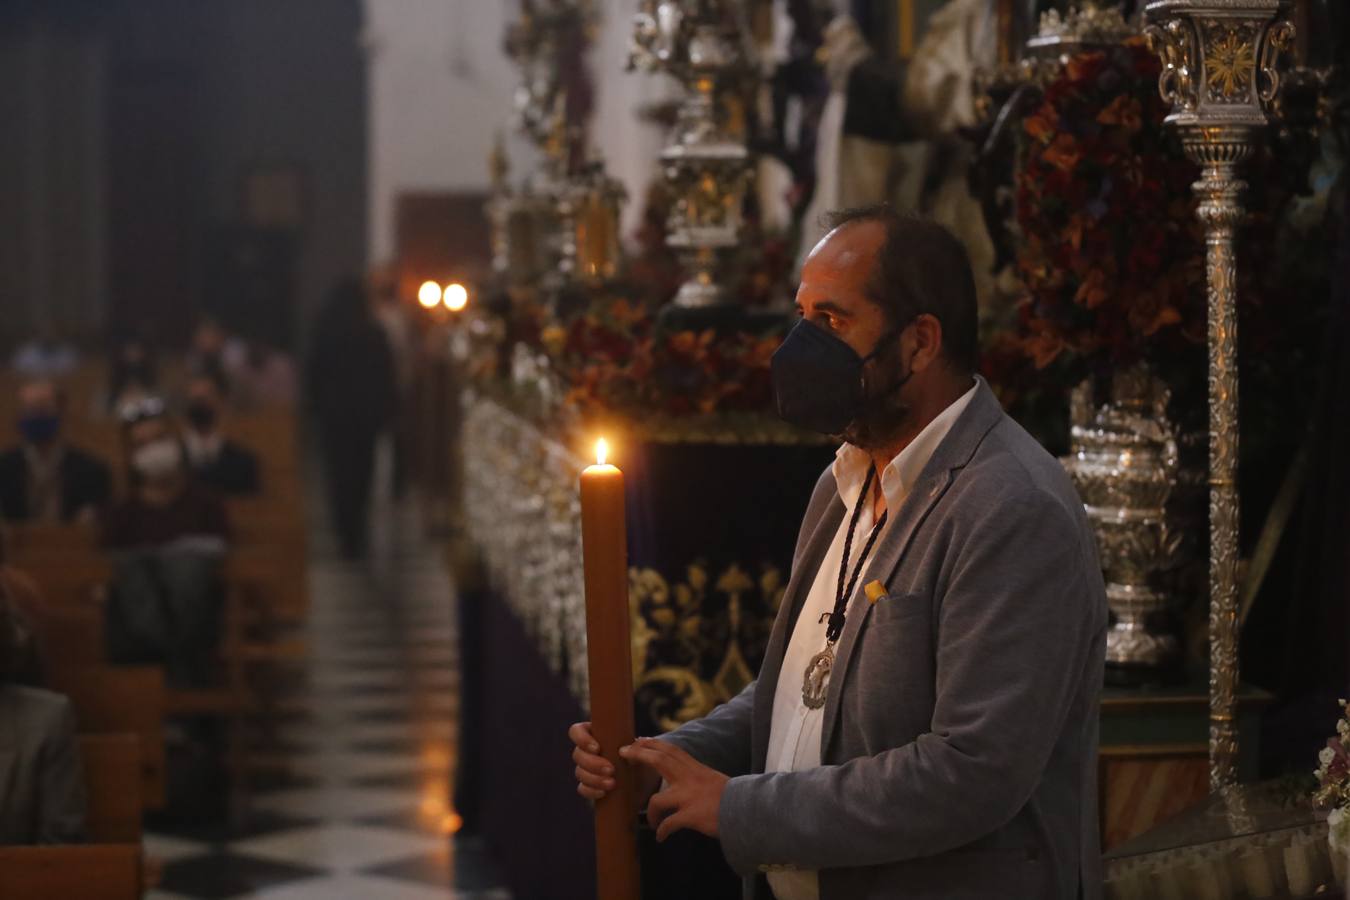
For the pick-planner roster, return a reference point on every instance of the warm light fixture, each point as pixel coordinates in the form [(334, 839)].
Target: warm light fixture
[(456, 297), (601, 451), (429, 294)]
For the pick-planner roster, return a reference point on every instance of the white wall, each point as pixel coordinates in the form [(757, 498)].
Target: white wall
[(440, 92), (628, 144)]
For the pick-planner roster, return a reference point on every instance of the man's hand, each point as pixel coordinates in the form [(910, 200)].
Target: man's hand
[(595, 776), (692, 794)]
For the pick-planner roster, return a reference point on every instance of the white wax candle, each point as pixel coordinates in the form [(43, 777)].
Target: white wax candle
[(1257, 878), (1298, 869), (1339, 863)]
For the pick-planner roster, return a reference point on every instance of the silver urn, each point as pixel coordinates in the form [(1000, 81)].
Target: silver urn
[(707, 163), (1123, 460)]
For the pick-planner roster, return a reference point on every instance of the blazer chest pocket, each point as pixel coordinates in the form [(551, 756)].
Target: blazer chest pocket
[(892, 670), (894, 609)]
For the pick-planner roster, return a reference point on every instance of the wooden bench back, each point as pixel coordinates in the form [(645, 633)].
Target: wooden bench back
[(122, 700), (112, 771), (40, 539), (266, 522), (88, 872), (66, 579), (72, 635)]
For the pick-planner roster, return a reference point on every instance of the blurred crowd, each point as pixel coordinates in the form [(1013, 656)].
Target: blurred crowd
[(150, 471)]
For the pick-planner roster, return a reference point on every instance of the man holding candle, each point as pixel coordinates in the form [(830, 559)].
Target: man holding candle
[(925, 721)]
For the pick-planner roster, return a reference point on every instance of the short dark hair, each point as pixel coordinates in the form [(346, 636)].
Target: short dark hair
[(922, 268)]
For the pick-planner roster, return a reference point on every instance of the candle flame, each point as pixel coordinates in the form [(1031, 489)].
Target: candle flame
[(601, 451)]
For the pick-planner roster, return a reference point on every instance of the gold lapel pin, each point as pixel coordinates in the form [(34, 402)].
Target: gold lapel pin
[(875, 590)]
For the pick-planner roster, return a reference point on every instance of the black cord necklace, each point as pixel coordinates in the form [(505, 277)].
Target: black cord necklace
[(815, 679)]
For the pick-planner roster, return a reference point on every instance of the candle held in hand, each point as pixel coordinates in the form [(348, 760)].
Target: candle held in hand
[(609, 648)]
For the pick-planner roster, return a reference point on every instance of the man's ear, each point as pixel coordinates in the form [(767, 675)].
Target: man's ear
[(926, 338)]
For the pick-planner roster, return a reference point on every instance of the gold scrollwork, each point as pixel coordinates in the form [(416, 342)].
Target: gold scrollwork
[(681, 667), (687, 696), (1278, 38), (1174, 42)]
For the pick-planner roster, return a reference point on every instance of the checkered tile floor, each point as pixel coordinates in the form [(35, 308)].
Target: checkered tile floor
[(353, 801)]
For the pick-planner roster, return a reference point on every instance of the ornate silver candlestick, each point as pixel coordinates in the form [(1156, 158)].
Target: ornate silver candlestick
[(699, 43), (1219, 75), (535, 42)]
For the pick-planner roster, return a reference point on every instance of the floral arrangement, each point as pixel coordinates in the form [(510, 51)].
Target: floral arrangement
[(615, 361), (1333, 782), (1111, 254)]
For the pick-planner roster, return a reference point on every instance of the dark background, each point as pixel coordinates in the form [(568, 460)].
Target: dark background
[(127, 129)]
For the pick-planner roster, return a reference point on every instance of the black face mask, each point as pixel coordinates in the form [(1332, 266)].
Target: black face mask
[(818, 379), (202, 416)]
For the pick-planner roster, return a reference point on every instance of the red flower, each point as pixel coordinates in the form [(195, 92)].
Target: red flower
[(1110, 247), (1062, 153), (1039, 127), (1124, 110), (1092, 292)]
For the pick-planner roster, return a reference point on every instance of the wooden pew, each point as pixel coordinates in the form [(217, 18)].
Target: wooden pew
[(87, 872), (269, 557), (42, 540), (271, 433), (71, 636), (112, 768), (264, 521), (84, 388), (67, 579), (122, 700)]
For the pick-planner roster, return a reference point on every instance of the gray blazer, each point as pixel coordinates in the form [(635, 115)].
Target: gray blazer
[(42, 798), (959, 741)]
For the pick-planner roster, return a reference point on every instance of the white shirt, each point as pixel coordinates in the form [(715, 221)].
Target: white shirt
[(794, 732), (202, 450)]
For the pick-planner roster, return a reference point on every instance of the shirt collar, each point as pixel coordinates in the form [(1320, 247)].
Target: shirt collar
[(203, 446), (898, 478)]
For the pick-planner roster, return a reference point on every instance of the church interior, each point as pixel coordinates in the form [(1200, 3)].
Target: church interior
[(400, 393)]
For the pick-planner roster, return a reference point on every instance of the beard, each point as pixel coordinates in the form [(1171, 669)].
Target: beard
[(884, 413)]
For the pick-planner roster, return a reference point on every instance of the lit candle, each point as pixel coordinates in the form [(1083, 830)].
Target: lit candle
[(609, 646)]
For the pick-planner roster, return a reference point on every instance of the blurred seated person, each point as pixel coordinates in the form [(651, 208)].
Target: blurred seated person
[(42, 798), (267, 378), (133, 374), (45, 356), (214, 351), (43, 479), (167, 538), (214, 459), (27, 602)]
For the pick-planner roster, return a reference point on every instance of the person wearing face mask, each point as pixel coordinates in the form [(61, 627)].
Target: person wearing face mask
[(164, 505), (924, 724), (167, 539), (43, 479), (215, 460)]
